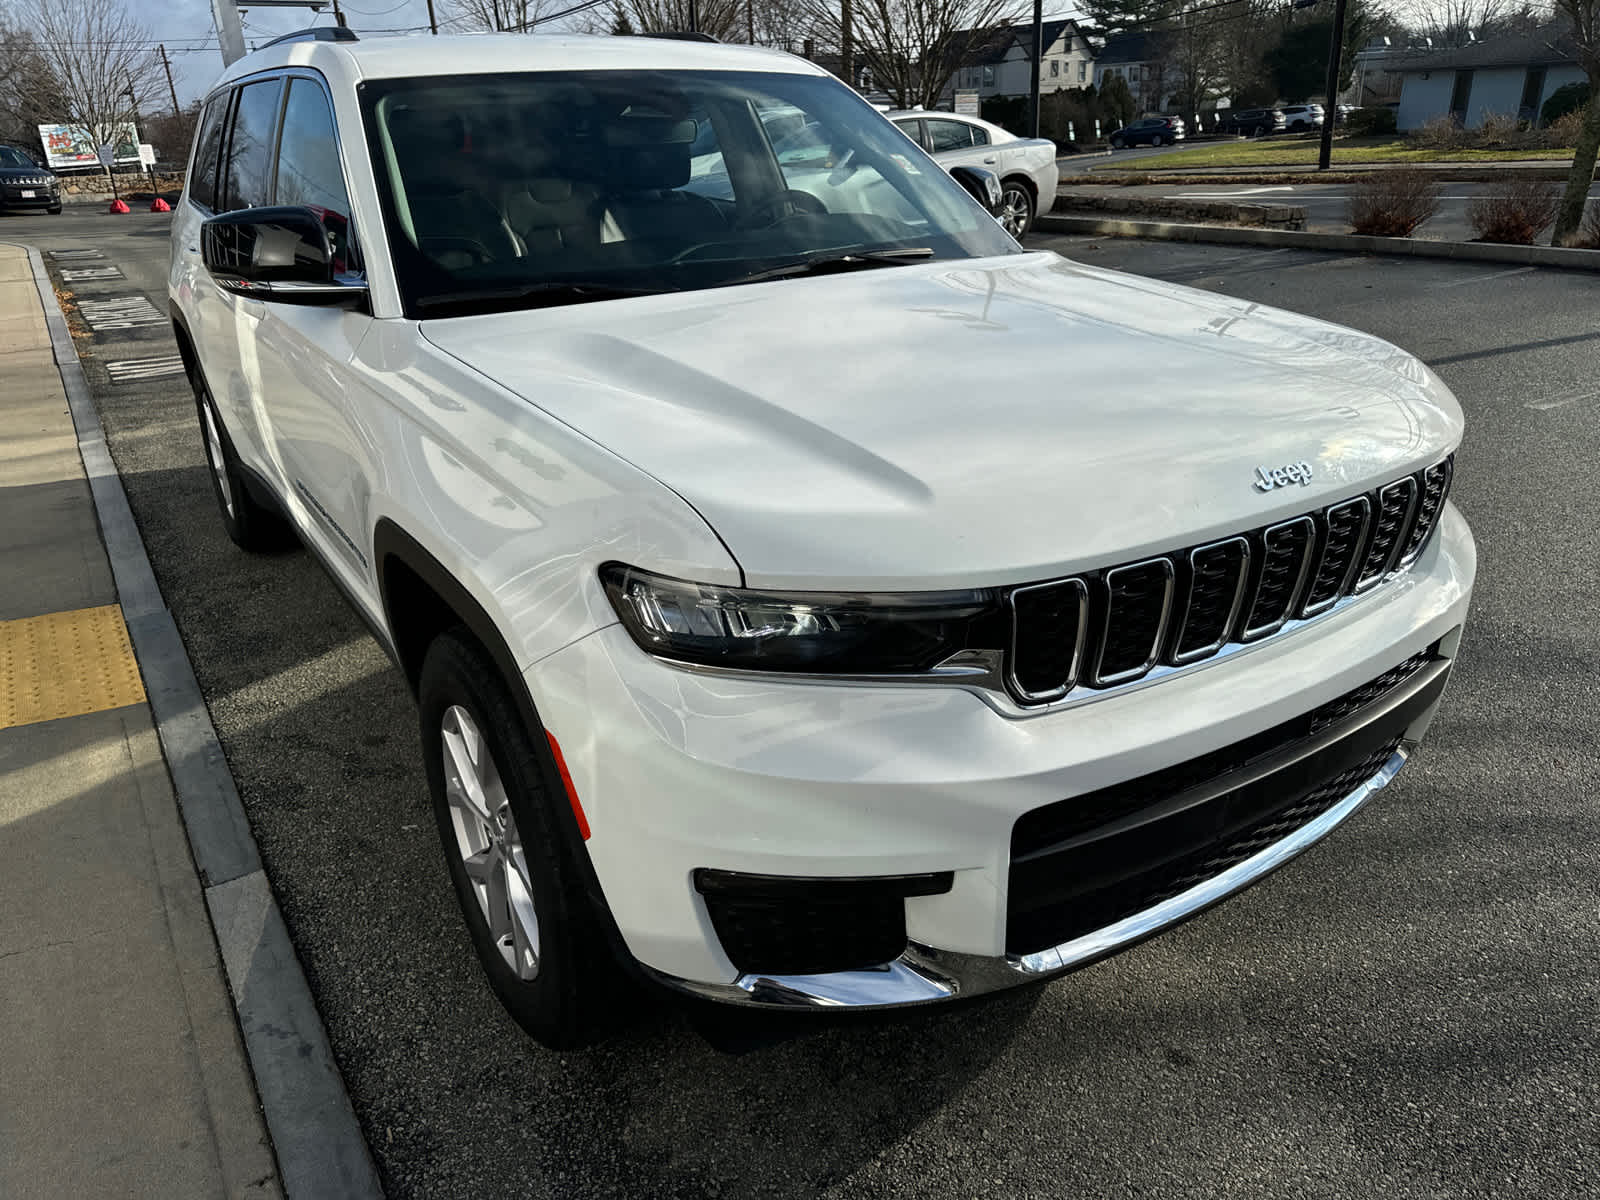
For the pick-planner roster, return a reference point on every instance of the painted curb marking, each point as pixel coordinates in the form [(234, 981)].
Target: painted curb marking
[(122, 312), (133, 370), (74, 274), (75, 255)]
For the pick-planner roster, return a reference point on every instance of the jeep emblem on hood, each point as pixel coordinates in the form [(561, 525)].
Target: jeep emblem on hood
[(1276, 477)]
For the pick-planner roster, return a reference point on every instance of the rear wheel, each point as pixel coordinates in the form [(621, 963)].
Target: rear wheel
[(516, 877), (1016, 208), (1155, 139), (251, 525)]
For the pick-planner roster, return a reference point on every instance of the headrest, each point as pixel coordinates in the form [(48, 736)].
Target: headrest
[(647, 153)]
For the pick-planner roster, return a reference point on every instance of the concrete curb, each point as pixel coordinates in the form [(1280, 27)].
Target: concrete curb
[(315, 1135), (1345, 243)]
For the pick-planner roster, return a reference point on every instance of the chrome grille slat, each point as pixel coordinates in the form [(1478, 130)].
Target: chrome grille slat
[(1435, 482), (1049, 623), (1285, 558), (1138, 603), (1344, 532), (1389, 523), (1217, 577), (1113, 627)]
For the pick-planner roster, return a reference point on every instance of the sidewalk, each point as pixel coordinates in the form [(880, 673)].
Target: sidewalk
[(121, 1067)]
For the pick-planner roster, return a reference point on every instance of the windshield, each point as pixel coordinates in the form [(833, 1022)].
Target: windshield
[(14, 158), (500, 189)]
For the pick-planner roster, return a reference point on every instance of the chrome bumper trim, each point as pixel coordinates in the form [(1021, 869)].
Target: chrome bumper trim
[(925, 975)]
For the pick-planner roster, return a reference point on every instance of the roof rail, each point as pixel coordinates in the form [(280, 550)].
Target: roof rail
[(682, 35), (322, 33)]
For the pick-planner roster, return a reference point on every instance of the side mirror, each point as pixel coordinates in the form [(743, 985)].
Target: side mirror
[(983, 185), (281, 254)]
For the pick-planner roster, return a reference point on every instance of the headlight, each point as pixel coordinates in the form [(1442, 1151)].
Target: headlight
[(839, 633)]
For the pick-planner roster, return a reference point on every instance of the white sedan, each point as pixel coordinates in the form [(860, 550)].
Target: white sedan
[(1026, 166)]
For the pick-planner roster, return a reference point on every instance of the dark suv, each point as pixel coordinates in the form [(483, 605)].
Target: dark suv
[(1254, 122), (25, 185), (1151, 131)]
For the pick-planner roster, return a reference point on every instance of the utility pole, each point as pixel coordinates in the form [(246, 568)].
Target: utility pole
[(847, 42), (750, 21), (433, 21), (694, 16), (170, 89), (1330, 107), (1038, 53), (230, 33)]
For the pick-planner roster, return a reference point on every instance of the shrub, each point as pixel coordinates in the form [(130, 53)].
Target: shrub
[(1440, 133), (1393, 202), (1589, 233), (1563, 131), (1569, 98), (1516, 212), (1370, 122)]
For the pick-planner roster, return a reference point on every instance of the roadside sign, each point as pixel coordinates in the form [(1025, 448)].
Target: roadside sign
[(147, 154), (967, 102), (107, 154)]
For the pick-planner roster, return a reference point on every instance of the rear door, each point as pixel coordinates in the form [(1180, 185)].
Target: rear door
[(957, 144), (192, 292)]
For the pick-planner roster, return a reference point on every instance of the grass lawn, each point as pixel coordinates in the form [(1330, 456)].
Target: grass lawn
[(1296, 152)]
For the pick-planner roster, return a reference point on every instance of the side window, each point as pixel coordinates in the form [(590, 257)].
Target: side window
[(980, 137), (208, 143), (309, 173), (912, 129), (948, 135), (247, 179)]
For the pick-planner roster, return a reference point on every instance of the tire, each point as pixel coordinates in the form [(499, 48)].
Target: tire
[(1155, 139), (1117, 143), (251, 525), (546, 954), (54, 212), (1016, 208), (1259, 131)]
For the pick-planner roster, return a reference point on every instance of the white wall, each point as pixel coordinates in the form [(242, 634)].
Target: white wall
[(1495, 91), (1421, 100)]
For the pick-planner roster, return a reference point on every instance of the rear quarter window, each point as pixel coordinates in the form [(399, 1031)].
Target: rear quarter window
[(208, 144)]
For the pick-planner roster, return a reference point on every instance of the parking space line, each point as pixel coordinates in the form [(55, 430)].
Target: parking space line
[(1563, 399), (75, 255), (74, 274), (66, 664), (1454, 283)]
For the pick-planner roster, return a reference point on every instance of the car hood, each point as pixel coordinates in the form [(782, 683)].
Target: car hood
[(968, 423), (25, 174)]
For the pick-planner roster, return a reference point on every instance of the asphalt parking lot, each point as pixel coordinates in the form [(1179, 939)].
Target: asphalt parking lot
[(1411, 1010)]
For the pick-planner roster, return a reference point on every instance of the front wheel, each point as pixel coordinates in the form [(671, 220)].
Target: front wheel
[(249, 524), (509, 855), (1016, 208), (1116, 143)]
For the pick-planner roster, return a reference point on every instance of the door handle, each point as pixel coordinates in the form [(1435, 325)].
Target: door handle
[(194, 249), (988, 160)]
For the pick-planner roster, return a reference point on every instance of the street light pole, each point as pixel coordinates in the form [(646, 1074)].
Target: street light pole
[(1038, 53), (1330, 108)]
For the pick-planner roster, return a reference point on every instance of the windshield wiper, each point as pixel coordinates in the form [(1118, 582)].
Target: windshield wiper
[(834, 264), (537, 295)]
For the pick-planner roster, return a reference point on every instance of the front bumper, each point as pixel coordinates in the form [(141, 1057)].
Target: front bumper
[(12, 199), (680, 772)]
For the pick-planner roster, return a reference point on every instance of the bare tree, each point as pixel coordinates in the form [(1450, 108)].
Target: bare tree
[(913, 47), (1452, 23), (29, 97), (98, 61), (722, 19), (1583, 17), (507, 16)]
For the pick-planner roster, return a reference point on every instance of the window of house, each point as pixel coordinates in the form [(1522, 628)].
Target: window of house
[(1532, 92), (1083, 71), (247, 179), (1133, 73), (1055, 67), (948, 135), (309, 172), (1460, 97), (988, 77), (208, 145)]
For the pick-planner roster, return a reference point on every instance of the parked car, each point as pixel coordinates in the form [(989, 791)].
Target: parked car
[(1026, 166), (812, 598), (1255, 122), (1149, 131), (1301, 118), (25, 186)]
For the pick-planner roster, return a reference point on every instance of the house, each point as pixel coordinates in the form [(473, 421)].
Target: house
[(1505, 76), (999, 63), (1142, 61)]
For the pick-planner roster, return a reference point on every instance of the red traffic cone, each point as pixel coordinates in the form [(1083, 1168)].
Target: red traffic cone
[(160, 205), (120, 206)]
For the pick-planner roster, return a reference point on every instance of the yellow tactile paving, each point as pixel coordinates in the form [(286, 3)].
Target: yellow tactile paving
[(65, 664)]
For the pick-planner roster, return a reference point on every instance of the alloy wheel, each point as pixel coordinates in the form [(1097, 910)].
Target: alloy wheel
[(1014, 210), (489, 842), (215, 457)]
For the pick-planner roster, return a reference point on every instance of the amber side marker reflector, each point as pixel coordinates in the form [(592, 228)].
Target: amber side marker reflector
[(566, 782)]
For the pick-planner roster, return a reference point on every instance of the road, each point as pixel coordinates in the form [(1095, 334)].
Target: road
[(1409, 1011), (1326, 204)]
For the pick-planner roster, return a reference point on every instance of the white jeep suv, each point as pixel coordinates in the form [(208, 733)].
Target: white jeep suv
[(812, 598)]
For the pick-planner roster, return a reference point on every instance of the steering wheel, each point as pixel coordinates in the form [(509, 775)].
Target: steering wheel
[(433, 247), (786, 204)]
